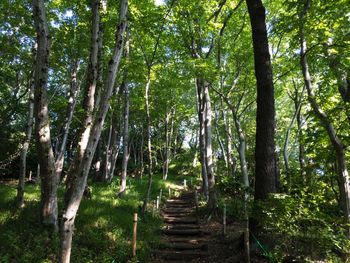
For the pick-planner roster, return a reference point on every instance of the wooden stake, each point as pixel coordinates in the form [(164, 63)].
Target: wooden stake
[(134, 236), (169, 192), (158, 201), (185, 184)]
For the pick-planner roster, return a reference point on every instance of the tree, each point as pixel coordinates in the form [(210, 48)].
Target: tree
[(80, 167), (337, 144), (49, 180), (265, 161)]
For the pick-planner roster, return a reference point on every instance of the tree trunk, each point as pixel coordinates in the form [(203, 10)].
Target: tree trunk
[(202, 155), (168, 138), (126, 127), (244, 171), (72, 101), (265, 163), (228, 137), (343, 175), (297, 102), (25, 147), (49, 180), (208, 149), (149, 145), (82, 163)]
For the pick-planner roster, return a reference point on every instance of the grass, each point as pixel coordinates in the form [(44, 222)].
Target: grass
[(103, 225)]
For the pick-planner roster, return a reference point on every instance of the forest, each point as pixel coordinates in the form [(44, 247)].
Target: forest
[(174, 131)]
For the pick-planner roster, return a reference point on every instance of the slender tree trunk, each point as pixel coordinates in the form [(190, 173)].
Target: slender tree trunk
[(286, 141), (218, 137), (107, 167), (208, 149), (24, 151), (82, 163), (302, 162), (149, 145), (168, 137), (202, 155), (72, 101), (115, 144), (141, 152), (228, 137), (265, 163), (244, 171), (49, 180), (126, 126), (339, 147)]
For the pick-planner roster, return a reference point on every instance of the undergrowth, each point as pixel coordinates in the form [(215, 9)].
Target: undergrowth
[(103, 227)]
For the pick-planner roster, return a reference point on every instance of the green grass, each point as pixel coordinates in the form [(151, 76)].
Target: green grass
[(103, 226)]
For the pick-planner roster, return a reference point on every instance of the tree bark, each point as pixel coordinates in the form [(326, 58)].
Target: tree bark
[(82, 163), (126, 91), (201, 119), (149, 145), (72, 101), (265, 163), (209, 149), (297, 101), (49, 180), (25, 147), (339, 147)]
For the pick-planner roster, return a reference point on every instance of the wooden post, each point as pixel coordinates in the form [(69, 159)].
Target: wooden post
[(160, 195), (224, 221), (169, 192), (134, 236), (185, 184)]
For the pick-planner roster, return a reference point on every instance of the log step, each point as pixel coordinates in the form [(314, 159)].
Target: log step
[(180, 202), (183, 220), (183, 232), (184, 246), (181, 255), (182, 226)]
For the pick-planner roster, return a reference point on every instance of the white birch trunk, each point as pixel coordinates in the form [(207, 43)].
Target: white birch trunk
[(49, 180), (81, 166), (72, 101)]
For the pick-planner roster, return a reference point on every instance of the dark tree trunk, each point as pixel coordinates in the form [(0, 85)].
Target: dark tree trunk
[(265, 161)]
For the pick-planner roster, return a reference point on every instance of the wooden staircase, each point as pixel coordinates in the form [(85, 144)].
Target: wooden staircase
[(183, 240)]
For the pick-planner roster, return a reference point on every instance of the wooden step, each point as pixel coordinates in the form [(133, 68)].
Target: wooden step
[(178, 210), (182, 226), (181, 220), (183, 232), (184, 246), (181, 255), (177, 201)]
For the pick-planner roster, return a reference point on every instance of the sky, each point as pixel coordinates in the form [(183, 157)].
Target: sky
[(159, 2)]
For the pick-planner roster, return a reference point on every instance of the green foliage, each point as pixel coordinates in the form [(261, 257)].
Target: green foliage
[(304, 226), (103, 226)]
